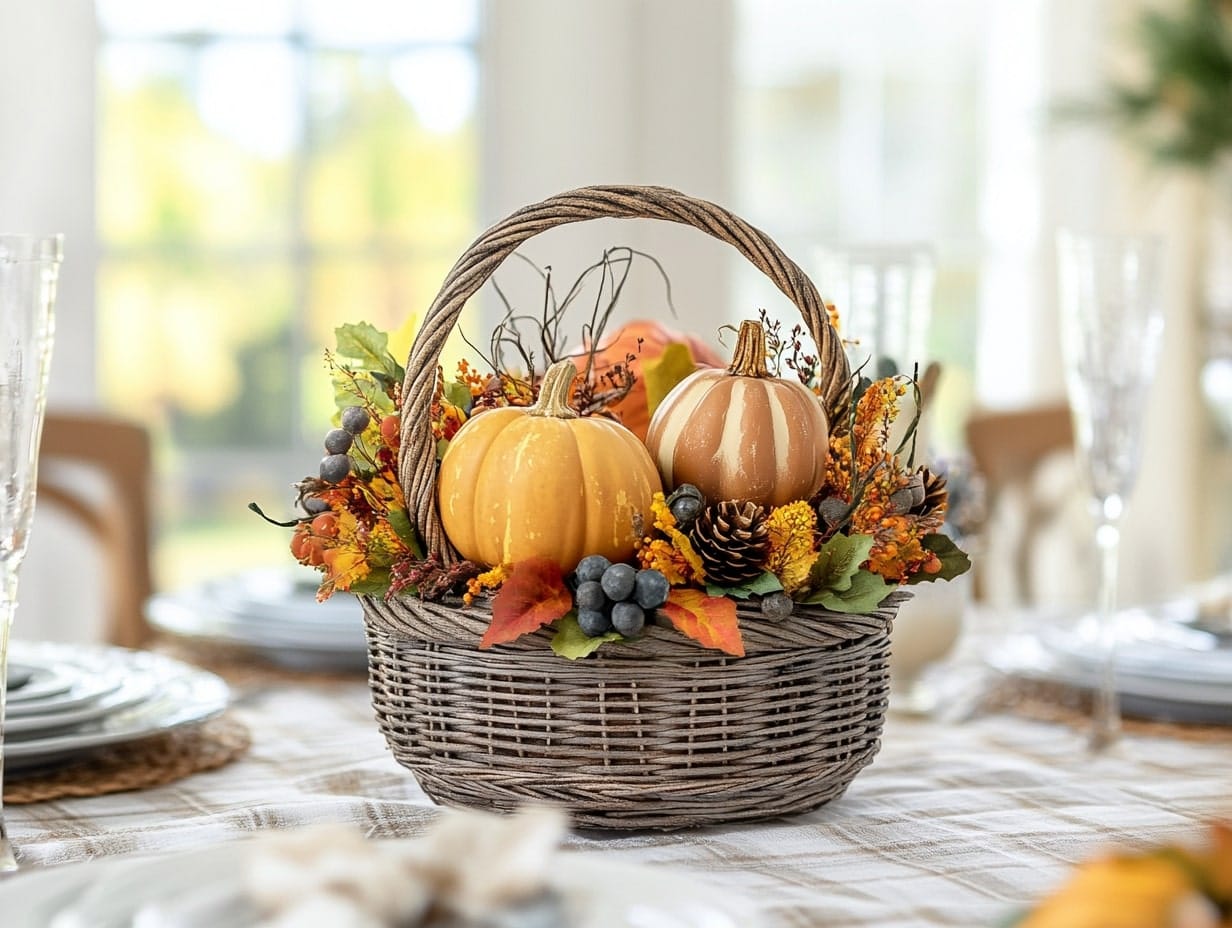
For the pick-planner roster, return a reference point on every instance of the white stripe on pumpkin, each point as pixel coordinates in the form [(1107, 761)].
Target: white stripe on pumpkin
[(782, 437), (676, 418)]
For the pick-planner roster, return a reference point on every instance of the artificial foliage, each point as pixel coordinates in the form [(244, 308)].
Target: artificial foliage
[(874, 524)]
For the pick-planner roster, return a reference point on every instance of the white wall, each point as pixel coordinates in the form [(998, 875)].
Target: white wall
[(625, 91), (47, 163), (47, 185)]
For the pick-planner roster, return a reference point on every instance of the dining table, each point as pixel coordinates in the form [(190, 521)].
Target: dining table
[(967, 815)]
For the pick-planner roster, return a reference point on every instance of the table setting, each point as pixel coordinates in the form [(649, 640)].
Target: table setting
[(525, 667), (269, 613)]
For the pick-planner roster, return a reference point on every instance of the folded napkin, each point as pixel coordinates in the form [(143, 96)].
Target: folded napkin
[(470, 868)]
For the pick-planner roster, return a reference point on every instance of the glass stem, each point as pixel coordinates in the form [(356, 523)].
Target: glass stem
[(1106, 711), (8, 605)]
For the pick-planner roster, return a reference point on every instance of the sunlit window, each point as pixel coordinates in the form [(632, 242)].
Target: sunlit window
[(267, 171), (897, 122)]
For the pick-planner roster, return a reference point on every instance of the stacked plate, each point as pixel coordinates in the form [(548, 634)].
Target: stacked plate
[(1168, 666), (64, 700), (271, 612)]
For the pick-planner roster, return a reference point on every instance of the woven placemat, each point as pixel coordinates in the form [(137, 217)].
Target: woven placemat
[(140, 764), (1071, 706)]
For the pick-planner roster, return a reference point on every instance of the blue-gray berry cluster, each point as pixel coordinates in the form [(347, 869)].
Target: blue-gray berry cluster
[(337, 463), (616, 597)]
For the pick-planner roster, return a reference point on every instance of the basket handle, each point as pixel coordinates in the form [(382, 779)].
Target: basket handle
[(417, 457)]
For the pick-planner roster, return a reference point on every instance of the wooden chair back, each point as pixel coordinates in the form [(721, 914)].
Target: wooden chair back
[(118, 519), (1007, 449)]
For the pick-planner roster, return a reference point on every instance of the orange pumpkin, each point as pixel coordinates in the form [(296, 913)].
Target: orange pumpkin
[(633, 408), (742, 433), (542, 481)]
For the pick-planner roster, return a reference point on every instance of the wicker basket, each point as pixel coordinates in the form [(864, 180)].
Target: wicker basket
[(654, 733)]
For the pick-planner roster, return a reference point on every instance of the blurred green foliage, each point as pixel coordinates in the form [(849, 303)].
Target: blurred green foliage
[(1180, 110)]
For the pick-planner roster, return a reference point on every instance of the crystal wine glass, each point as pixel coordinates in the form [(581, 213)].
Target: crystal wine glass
[(29, 266), (1111, 324)]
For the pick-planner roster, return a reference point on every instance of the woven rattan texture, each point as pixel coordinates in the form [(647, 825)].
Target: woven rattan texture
[(656, 733), (138, 765)]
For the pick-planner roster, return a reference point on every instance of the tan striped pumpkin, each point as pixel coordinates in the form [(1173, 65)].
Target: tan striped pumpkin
[(742, 433), (543, 481)]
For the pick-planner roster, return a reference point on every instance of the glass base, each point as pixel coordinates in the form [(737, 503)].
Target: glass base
[(913, 697), (8, 861)]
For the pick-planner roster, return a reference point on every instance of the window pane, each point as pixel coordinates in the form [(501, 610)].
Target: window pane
[(188, 151), (198, 350), (859, 123), (266, 172), (394, 152), (384, 22), (206, 524), (392, 294), (159, 17)]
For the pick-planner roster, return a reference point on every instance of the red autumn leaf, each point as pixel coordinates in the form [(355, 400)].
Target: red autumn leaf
[(533, 596), (709, 620)]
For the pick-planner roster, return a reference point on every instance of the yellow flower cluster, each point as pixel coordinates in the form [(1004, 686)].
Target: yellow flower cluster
[(876, 474), (793, 543), (673, 556), (486, 581)]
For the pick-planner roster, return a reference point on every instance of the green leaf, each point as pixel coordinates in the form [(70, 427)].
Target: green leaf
[(766, 583), (361, 391), (375, 584), (837, 563), (571, 642), (363, 342), (400, 522), (954, 561), (458, 394), (441, 447), (664, 372), (863, 593)]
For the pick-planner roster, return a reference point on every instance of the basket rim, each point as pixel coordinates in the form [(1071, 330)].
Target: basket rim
[(452, 624)]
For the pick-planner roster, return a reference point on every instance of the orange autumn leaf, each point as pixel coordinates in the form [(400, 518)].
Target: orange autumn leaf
[(709, 620), (534, 595)]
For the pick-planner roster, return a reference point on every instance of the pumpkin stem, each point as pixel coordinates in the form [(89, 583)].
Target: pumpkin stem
[(556, 392), (749, 359)]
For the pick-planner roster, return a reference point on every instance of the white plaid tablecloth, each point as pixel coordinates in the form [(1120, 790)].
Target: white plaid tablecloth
[(954, 824)]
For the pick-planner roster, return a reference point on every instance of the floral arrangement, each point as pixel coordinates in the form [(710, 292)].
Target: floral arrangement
[(1172, 885), (563, 517)]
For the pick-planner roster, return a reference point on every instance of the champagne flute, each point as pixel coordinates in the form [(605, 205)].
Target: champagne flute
[(1111, 322), (29, 266)]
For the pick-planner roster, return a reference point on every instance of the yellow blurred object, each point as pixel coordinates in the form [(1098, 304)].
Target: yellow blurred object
[(401, 339), (1170, 887)]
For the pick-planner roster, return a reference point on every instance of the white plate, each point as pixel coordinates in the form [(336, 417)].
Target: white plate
[(339, 642), (87, 675), (136, 687), (44, 681), (194, 614), (1027, 656), (203, 888), (1148, 645), (282, 596), (18, 676), (179, 695)]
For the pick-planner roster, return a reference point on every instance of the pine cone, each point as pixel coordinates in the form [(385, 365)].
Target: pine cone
[(936, 495), (732, 538)]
